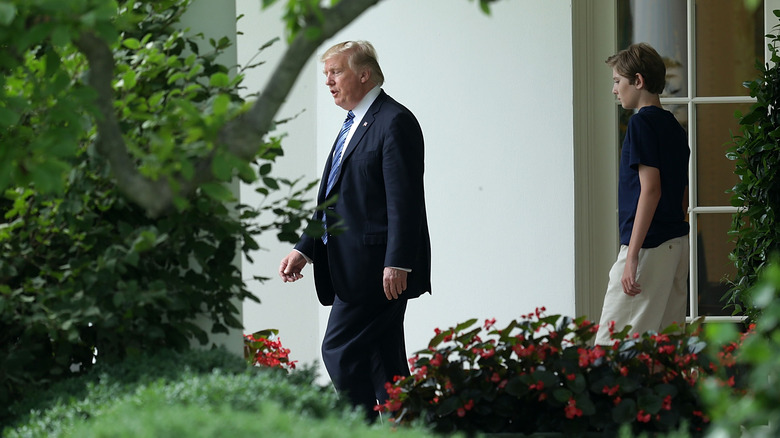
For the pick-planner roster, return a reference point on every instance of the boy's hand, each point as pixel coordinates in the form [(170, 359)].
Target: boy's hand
[(630, 286)]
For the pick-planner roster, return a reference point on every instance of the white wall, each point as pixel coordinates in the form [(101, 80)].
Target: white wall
[(494, 97)]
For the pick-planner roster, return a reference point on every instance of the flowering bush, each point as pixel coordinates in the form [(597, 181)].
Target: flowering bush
[(264, 348), (540, 374), (751, 407)]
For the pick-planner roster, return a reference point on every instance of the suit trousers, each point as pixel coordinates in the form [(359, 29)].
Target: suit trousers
[(364, 348), (662, 274)]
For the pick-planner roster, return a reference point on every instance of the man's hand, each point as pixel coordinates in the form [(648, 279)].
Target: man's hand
[(290, 268), (394, 282)]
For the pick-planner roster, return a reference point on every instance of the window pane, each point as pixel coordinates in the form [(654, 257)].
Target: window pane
[(713, 246), (663, 25), (729, 40), (715, 124)]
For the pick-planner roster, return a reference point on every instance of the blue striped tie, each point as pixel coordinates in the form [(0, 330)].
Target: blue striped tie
[(336, 161), (336, 164)]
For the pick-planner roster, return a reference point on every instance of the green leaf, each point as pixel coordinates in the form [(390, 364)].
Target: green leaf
[(222, 166), (448, 406), (221, 104), (8, 117), (562, 394), (270, 183), (625, 411), (436, 340), (7, 13), (132, 43), (49, 175), (464, 325), (60, 37), (129, 80), (219, 80), (144, 242), (649, 402), (218, 192), (720, 334), (586, 404)]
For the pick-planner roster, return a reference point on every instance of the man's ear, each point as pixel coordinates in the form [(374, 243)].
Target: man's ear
[(365, 76)]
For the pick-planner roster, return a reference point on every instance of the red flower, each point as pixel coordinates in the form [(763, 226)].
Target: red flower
[(490, 323), (522, 351), (413, 361), (421, 373), (269, 353), (667, 404), (610, 391), (643, 417), (572, 410), (588, 356), (584, 357), (487, 352)]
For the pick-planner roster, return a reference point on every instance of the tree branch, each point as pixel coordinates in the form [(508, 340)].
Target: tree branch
[(154, 196), (243, 135)]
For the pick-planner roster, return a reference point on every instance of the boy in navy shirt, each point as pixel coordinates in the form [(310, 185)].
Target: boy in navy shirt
[(648, 282)]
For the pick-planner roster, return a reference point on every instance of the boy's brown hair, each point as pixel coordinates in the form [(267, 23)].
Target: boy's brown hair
[(643, 59)]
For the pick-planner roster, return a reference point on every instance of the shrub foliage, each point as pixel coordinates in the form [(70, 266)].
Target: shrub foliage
[(85, 273), (756, 155), (193, 393)]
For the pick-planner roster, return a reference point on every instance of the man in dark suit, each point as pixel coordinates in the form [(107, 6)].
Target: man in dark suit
[(380, 255)]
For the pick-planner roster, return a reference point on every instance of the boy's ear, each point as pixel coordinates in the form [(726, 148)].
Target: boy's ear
[(639, 81)]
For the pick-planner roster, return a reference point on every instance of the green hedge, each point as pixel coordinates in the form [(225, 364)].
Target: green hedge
[(193, 394), (267, 419)]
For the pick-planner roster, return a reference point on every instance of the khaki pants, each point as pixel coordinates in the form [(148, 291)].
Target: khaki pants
[(662, 274)]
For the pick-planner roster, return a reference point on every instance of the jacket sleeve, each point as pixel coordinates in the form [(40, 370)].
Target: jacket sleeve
[(403, 165)]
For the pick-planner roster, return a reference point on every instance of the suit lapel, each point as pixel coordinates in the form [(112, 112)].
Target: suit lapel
[(364, 126), (360, 131)]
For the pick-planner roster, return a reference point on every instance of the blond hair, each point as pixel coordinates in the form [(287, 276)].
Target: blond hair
[(361, 55)]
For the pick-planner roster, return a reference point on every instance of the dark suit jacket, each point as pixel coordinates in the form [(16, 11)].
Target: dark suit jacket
[(381, 202)]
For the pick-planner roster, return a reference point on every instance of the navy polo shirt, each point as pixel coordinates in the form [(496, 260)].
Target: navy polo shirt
[(654, 138)]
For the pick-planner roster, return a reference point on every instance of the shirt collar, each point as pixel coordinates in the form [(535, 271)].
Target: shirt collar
[(362, 108)]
